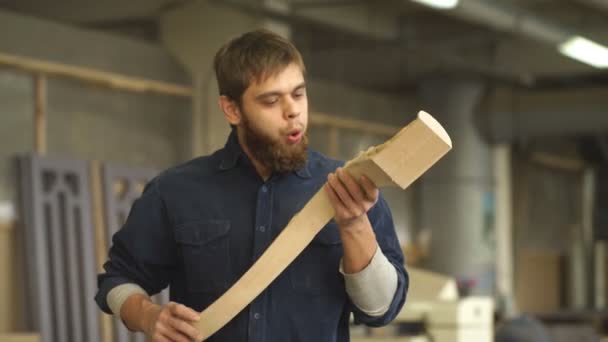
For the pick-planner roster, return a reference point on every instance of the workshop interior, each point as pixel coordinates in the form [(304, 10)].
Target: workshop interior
[(504, 238)]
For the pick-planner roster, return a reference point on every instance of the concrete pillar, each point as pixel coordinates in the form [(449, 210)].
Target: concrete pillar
[(457, 194), (193, 33)]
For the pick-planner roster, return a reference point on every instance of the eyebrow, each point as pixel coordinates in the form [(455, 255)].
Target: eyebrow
[(278, 93)]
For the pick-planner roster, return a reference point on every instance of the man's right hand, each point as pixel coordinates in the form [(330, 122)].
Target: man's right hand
[(168, 323)]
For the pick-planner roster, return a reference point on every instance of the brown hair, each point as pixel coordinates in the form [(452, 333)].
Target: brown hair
[(252, 57)]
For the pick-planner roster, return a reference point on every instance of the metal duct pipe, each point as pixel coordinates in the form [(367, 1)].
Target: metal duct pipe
[(459, 184), (599, 4), (510, 19), (503, 127)]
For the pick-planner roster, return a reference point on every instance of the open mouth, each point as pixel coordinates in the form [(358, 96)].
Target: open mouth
[(294, 136)]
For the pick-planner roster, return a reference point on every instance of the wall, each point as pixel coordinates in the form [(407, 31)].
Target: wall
[(84, 122)]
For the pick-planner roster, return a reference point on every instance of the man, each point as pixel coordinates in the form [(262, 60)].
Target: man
[(199, 226)]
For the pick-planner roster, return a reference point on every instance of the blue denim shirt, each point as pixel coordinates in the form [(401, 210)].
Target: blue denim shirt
[(199, 226)]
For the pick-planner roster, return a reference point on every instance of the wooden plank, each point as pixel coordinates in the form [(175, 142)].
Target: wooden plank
[(19, 337), (334, 142), (558, 162), (537, 280), (7, 226), (430, 286), (100, 238), (321, 119), (40, 104), (398, 162), (390, 339), (97, 77), (9, 296)]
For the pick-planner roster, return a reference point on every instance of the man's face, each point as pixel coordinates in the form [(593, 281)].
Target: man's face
[(274, 118)]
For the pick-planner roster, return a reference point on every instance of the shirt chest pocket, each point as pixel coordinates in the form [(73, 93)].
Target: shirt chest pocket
[(205, 253), (316, 270)]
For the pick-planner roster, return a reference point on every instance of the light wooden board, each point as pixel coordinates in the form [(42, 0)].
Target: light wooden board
[(9, 284), (391, 339), (92, 76), (398, 162), (19, 337), (40, 111), (100, 239)]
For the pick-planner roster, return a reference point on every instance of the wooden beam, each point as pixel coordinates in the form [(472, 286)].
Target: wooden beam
[(558, 162), (97, 77), (40, 96), (101, 246), (334, 142), (11, 281), (352, 124)]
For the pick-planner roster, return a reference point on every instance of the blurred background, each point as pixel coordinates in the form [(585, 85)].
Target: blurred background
[(504, 237)]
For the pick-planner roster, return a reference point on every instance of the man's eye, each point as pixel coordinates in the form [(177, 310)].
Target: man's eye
[(270, 101)]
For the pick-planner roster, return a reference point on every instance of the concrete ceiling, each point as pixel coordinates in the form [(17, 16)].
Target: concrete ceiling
[(387, 45), (434, 42)]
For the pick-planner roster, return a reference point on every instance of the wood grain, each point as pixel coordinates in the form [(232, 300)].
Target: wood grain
[(398, 162)]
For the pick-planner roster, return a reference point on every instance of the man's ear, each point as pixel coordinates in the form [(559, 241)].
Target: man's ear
[(231, 110)]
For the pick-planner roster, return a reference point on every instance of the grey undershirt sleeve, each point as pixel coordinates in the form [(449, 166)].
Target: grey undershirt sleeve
[(373, 288), (118, 295)]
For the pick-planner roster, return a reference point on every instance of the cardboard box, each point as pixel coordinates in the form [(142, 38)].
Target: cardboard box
[(538, 283)]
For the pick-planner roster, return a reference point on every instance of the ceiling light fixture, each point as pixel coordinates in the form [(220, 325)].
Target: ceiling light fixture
[(440, 4), (586, 51)]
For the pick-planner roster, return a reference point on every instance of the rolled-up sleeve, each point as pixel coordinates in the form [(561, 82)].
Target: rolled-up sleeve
[(382, 223), (143, 250)]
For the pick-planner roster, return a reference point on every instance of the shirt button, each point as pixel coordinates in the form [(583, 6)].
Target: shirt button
[(262, 229), (256, 315), (264, 188)]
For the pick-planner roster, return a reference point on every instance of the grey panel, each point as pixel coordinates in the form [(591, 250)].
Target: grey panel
[(122, 186), (59, 245)]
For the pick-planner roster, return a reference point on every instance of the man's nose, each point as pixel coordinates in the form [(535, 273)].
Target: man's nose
[(291, 109)]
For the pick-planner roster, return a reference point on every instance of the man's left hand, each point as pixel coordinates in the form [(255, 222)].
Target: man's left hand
[(350, 198)]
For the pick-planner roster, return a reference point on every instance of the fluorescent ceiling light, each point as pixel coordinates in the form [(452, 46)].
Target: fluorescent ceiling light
[(586, 51), (441, 4)]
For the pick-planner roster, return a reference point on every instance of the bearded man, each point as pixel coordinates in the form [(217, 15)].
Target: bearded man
[(199, 227)]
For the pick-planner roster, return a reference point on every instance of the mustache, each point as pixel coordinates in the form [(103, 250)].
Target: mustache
[(299, 127)]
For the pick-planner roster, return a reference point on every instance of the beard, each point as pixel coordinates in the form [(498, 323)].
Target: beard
[(279, 156)]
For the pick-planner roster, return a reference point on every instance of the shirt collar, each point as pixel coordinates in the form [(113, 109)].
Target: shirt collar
[(304, 172), (233, 150)]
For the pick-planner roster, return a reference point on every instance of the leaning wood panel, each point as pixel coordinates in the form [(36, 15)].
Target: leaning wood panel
[(59, 245), (101, 247), (122, 185), (9, 271), (321, 119), (398, 162)]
